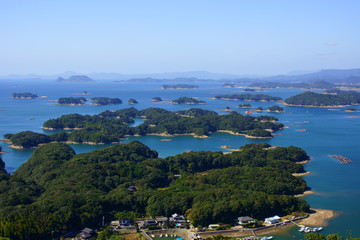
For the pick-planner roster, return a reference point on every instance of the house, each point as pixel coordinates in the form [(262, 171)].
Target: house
[(272, 220), (147, 223), (179, 220), (213, 226), (132, 188), (161, 220), (245, 220), (115, 224), (87, 233)]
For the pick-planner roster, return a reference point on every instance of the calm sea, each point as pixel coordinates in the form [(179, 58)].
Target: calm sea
[(318, 131)]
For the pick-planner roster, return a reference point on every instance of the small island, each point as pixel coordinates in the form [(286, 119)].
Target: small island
[(132, 101), (248, 97), (156, 99), (335, 99), (105, 101), (275, 109), (25, 95), (246, 105), (75, 79), (179, 86), (72, 101), (187, 100)]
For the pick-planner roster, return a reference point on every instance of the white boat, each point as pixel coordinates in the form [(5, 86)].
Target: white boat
[(267, 238), (152, 236), (166, 235), (160, 235), (302, 229)]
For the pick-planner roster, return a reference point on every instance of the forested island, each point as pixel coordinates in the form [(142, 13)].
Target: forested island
[(248, 97), (75, 79), (113, 126), (71, 101), (187, 100), (57, 191), (276, 109), (105, 101), (336, 99), (25, 95), (180, 86), (312, 85), (156, 99), (132, 101)]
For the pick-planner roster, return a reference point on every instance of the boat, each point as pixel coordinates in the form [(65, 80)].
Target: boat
[(302, 229), (267, 238), (160, 235), (166, 235), (248, 112), (152, 236)]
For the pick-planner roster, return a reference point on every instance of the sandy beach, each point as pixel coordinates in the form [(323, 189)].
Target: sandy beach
[(319, 217)]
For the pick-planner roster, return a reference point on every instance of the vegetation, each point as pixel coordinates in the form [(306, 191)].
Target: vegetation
[(313, 85), (319, 100), (246, 105), (180, 86), (24, 95), (187, 100), (105, 100), (132, 101), (275, 108), (71, 100), (248, 97), (156, 99), (112, 126), (56, 190)]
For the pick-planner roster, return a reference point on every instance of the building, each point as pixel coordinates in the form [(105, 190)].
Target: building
[(245, 220), (161, 220), (147, 223), (87, 233), (272, 220), (179, 220)]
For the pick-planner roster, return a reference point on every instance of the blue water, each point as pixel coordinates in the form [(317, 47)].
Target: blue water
[(327, 132)]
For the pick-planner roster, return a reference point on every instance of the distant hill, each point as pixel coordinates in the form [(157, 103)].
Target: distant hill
[(75, 79)]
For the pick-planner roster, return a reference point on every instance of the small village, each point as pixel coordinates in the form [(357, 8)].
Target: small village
[(177, 227)]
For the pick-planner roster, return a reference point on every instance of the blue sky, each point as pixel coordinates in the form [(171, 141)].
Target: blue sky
[(260, 37)]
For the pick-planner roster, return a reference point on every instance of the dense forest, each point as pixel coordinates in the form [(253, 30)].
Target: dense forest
[(337, 98), (187, 100), (57, 191), (112, 126), (105, 100), (179, 86), (71, 101), (248, 97), (24, 95)]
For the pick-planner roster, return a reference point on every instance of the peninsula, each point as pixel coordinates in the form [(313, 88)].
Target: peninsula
[(311, 99), (248, 97), (57, 191)]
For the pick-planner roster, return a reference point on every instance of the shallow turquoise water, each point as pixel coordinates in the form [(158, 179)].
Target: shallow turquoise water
[(327, 132)]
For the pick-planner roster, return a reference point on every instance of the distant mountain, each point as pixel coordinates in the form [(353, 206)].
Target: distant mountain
[(329, 75), (75, 79)]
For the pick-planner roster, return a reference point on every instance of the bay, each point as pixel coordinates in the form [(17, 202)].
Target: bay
[(319, 131)]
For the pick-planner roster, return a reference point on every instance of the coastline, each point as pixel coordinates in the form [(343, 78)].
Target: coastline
[(313, 106)]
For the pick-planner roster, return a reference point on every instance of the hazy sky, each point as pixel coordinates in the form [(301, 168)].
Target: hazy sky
[(155, 36)]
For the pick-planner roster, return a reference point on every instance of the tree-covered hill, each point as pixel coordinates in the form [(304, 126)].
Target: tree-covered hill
[(338, 98), (57, 191), (112, 126), (248, 97)]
